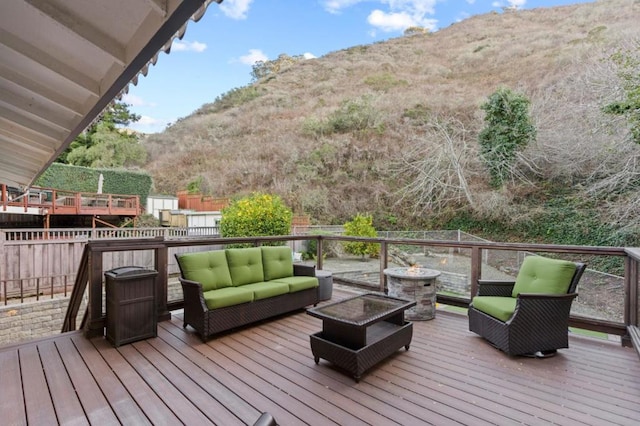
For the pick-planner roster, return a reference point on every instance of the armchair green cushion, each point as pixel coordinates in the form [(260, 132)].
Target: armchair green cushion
[(245, 265), (497, 306), (277, 262), (541, 275), (208, 268)]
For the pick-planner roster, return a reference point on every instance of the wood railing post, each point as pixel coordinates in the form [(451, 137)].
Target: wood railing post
[(476, 269), (95, 324), (162, 282), (384, 262), (319, 252)]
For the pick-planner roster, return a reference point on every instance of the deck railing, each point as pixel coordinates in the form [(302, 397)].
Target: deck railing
[(49, 201), (94, 272), (31, 234)]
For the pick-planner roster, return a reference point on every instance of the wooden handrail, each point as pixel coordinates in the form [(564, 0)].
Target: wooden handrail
[(79, 287), (91, 271)]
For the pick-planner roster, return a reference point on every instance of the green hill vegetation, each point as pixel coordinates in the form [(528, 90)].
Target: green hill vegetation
[(392, 129)]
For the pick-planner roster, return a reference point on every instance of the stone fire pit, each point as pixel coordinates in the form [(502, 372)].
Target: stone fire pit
[(414, 283)]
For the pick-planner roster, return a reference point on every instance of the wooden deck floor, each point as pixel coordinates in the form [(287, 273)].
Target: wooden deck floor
[(449, 376)]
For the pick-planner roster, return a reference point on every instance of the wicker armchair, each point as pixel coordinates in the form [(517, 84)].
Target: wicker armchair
[(529, 316)]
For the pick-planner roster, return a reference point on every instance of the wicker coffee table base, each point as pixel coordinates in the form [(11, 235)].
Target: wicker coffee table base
[(384, 338)]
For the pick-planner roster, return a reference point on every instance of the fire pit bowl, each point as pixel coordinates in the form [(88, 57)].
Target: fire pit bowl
[(414, 283)]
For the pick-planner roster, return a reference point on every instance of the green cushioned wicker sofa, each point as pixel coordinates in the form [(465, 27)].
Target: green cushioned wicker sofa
[(229, 288)]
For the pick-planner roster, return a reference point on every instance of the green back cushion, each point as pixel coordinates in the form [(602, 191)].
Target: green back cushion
[(277, 262), (544, 276), (209, 268), (245, 265)]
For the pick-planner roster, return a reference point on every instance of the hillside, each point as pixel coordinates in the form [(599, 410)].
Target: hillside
[(391, 128)]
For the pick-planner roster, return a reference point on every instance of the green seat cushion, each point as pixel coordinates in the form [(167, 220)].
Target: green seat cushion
[(277, 262), (299, 283), (541, 275), (267, 289), (245, 265), (498, 307), (209, 268), (227, 296)]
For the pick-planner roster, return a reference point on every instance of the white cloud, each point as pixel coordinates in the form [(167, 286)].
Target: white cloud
[(236, 9), (390, 21), (398, 15), (188, 46), (132, 100), (145, 120), (308, 55), (334, 6), (517, 3), (252, 57), (402, 19)]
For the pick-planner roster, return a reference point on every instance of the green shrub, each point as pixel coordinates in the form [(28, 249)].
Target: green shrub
[(508, 129), (353, 116), (329, 248), (384, 82), (256, 215), (361, 226)]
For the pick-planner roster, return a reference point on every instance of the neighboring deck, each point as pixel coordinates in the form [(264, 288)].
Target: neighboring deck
[(449, 376)]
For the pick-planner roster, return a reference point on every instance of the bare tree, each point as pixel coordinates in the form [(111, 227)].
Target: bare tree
[(435, 169)]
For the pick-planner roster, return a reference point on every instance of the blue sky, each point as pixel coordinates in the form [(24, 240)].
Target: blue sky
[(217, 53)]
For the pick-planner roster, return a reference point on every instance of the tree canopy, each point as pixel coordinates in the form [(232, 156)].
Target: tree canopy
[(106, 143)]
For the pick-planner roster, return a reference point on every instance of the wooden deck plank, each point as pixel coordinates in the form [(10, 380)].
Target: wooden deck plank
[(89, 393), (141, 394), (367, 397), (12, 401), (532, 375), (448, 377), (264, 358), (38, 401), (162, 386), (195, 348), (127, 411), (187, 385), (232, 408), (283, 400), (65, 400), (425, 406)]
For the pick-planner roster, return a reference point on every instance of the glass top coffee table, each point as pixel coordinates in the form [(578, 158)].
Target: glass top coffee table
[(359, 332)]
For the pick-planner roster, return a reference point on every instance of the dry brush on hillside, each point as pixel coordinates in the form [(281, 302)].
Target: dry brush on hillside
[(349, 132)]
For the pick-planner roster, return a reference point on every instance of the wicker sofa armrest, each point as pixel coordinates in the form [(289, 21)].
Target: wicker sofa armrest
[(543, 308), (495, 288), (192, 294), (304, 270)]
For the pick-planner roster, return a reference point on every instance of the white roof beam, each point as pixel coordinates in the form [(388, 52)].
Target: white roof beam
[(29, 124), (28, 106), (160, 6), (22, 81), (85, 30), (45, 60)]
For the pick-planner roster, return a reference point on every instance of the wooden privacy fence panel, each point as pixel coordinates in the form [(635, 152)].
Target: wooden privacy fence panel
[(28, 268)]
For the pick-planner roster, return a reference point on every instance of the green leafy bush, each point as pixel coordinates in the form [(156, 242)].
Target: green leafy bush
[(361, 226), (384, 82), (353, 116), (256, 215), (508, 129)]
